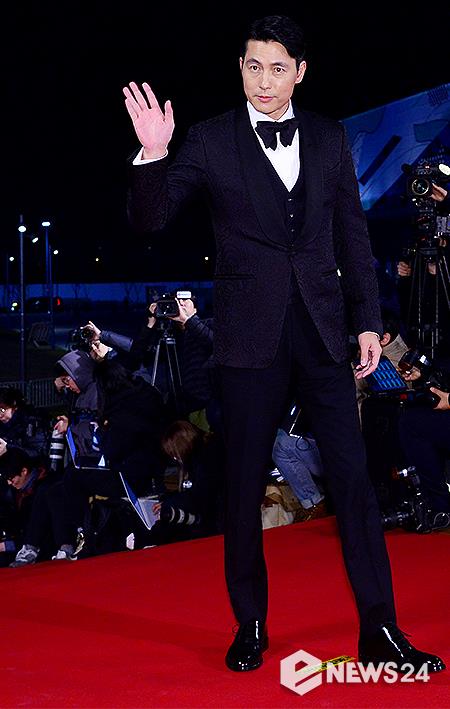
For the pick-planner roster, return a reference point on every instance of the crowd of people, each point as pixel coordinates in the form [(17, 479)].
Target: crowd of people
[(125, 416)]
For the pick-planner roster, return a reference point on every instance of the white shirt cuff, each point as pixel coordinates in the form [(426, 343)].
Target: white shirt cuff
[(139, 160)]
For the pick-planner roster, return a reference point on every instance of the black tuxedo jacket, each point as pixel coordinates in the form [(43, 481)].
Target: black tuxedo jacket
[(221, 158)]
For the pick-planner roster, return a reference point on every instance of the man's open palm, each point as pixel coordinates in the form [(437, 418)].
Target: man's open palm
[(153, 126)]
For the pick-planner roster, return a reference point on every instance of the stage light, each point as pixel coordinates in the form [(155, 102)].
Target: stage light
[(97, 259), (11, 258), (22, 229), (206, 258), (35, 239), (55, 252), (45, 223)]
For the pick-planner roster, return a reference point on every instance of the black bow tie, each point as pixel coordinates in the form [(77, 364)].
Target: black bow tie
[(267, 131)]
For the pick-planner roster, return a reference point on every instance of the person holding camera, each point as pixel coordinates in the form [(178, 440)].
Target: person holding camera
[(281, 188), (425, 439), (423, 276)]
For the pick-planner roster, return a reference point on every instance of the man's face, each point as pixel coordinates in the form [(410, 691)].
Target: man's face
[(269, 76), (6, 413), (66, 382), (19, 481)]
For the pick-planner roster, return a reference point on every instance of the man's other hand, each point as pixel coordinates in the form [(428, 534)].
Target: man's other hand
[(370, 346)]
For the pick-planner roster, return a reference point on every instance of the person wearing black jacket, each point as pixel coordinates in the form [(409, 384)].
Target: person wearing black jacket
[(293, 261), (131, 420)]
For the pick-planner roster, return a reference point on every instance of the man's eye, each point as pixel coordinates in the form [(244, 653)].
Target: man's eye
[(253, 68)]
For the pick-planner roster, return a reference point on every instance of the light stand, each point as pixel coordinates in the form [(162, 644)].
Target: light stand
[(22, 229), (49, 283)]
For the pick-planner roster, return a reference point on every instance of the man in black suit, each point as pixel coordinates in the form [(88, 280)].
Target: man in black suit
[(284, 201)]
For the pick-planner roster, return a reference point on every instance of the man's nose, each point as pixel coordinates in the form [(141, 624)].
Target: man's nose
[(264, 82)]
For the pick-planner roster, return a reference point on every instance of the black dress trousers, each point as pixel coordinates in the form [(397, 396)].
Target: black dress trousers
[(254, 401)]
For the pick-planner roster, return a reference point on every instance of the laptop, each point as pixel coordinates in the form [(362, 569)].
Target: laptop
[(142, 505), (93, 461)]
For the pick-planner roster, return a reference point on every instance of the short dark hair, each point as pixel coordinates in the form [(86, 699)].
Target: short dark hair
[(278, 28), (13, 462), (11, 397)]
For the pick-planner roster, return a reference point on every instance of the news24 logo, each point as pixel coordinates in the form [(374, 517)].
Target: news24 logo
[(302, 672)]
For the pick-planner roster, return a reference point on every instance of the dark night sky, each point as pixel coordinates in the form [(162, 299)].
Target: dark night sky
[(67, 133)]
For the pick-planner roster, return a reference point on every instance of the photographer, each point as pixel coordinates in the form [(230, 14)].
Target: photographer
[(194, 341), (425, 439), (423, 273), (196, 510), (197, 369)]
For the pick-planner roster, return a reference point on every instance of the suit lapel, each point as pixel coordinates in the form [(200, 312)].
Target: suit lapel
[(311, 165), (258, 182)]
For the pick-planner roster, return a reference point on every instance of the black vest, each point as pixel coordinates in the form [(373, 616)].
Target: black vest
[(291, 204), (292, 207)]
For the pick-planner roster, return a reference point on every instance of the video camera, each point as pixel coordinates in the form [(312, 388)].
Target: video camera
[(167, 305), (422, 177), (419, 187), (431, 376), (386, 382)]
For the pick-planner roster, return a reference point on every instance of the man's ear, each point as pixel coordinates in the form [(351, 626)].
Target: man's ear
[(241, 63), (23, 472), (301, 72)]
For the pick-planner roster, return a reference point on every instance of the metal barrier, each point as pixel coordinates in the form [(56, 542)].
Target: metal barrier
[(41, 393)]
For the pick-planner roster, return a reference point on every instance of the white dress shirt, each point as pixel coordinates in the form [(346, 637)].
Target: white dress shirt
[(285, 159)]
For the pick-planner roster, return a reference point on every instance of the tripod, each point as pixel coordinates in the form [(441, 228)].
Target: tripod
[(424, 283), (167, 342)]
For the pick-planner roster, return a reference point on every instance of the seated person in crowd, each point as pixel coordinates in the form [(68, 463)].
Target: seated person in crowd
[(21, 426), (196, 510), (296, 456), (26, 483), (131, 418), (76, 378)]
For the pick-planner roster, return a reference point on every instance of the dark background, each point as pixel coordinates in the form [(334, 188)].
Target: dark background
[(67, 132)]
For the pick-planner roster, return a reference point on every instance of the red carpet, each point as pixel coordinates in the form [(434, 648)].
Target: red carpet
[(150, 628)]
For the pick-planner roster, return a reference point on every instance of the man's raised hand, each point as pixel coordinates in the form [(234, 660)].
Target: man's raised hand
[(153, 126)]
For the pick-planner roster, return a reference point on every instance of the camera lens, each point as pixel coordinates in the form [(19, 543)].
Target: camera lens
[(421, 187)]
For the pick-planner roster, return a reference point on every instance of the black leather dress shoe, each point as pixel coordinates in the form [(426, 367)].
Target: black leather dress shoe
[(389, 644), (246, 651)]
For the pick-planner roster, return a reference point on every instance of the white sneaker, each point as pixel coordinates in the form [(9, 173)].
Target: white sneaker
[(26, 555), (62, 555)]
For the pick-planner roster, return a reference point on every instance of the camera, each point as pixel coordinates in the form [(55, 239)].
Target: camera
[(421, 178), (86, 334), (413, 512), (431, 376), (419, 187), (167, 305), (81, 338)]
